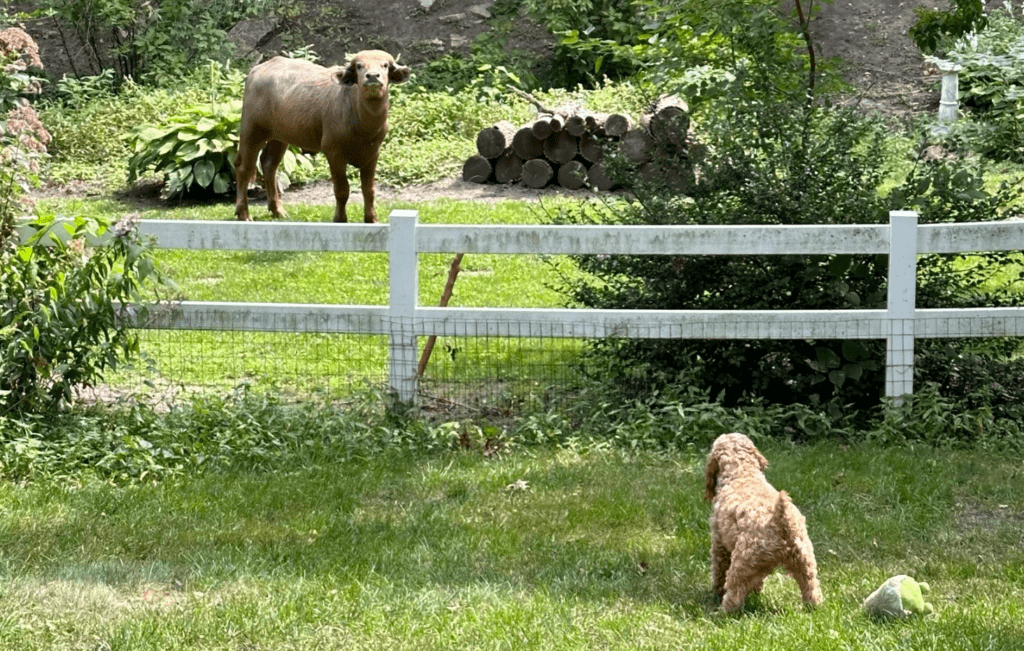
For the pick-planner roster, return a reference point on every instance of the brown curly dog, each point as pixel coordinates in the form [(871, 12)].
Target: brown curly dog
[(754, 528)]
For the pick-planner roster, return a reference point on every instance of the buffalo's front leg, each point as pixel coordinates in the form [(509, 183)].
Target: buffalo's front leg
[(366, 178), (341, 190)]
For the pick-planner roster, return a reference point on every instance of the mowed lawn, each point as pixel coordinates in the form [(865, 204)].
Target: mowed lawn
[(531, 549)]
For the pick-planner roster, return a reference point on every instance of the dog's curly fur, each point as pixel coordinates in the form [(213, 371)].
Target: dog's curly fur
[(754, 528)]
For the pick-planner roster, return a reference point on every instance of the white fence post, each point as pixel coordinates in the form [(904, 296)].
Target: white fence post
[(899, 354), (404, 290)]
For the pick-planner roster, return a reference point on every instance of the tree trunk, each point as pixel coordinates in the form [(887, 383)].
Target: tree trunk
[(591, 148), (493, 141), (598, 178), (561, 147), (572, 175), (636, 146), (508, 168), (526, 145), (537, 173), (616, 124), (477, 169)]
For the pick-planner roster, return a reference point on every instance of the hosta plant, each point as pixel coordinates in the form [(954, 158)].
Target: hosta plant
[(194, 152)]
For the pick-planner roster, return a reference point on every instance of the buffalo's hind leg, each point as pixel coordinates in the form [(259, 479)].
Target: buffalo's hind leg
[(270, 159)]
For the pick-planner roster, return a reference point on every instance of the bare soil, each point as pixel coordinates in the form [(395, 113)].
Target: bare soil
[(869, 36)]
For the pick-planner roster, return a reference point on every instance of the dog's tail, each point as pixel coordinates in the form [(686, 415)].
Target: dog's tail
[(781, 515)]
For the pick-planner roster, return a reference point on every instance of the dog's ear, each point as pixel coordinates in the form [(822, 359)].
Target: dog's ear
[(711, 478), (761, 461)]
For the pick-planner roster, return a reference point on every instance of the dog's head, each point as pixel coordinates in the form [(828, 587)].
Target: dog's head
[(731, 454)]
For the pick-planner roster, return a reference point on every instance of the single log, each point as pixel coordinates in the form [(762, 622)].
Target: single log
[(591, 148), (561, 147), (508, 168), (477, 169), (595, 121), (576, 125), (493, 141), (668, 120), (598, 178), (526, 145), (636, 146), (537, 173), (572, 175), (557, 122), (541, 127), (617, 124)]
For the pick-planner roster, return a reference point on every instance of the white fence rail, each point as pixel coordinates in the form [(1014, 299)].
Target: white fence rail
[(404, 321)]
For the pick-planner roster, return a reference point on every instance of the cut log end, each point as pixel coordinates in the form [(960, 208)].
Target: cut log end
[(477, 169)]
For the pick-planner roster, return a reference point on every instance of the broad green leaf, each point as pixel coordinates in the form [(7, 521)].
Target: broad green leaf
[(204, 172)]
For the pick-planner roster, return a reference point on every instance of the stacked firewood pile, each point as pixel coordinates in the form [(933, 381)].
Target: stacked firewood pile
[(567, 146)]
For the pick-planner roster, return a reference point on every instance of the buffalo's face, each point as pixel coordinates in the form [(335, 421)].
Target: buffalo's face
[(373, 70)]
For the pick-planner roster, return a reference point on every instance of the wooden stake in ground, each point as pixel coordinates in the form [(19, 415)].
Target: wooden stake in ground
[(446, 295), (493, 141)]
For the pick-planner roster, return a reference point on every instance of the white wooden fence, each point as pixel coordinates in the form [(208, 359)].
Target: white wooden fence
[(404, 321)]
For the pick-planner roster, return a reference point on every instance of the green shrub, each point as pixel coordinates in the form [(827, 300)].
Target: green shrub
[(935, 27), (146, 42), (65, 308), (196, 150), (991, 84)]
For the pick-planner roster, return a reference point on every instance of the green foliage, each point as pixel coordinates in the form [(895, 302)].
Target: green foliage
[(935, 27), (67, 309), (991, 84), (146, 42), (782, 164), (589, 32), (195, 151)]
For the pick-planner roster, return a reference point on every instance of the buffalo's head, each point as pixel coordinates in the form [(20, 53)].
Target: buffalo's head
[(372, 71)]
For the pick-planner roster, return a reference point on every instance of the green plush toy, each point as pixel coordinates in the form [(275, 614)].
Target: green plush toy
[(900, 596)]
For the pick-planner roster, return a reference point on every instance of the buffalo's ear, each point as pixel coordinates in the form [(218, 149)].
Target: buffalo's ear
[(348, 75), (398, 74)]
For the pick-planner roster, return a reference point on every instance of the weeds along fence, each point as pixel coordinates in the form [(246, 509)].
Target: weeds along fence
[(404, 323)]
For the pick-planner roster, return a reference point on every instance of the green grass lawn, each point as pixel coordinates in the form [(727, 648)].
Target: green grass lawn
[(598, 551), (334, 363)]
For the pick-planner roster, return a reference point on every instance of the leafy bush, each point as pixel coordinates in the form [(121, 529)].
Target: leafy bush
[(935, 27), (146, 42), (781, 164), (196, 150), (992, 89), (65, 308)]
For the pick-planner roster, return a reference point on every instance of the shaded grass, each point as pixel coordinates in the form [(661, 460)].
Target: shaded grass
[(601, 550)]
